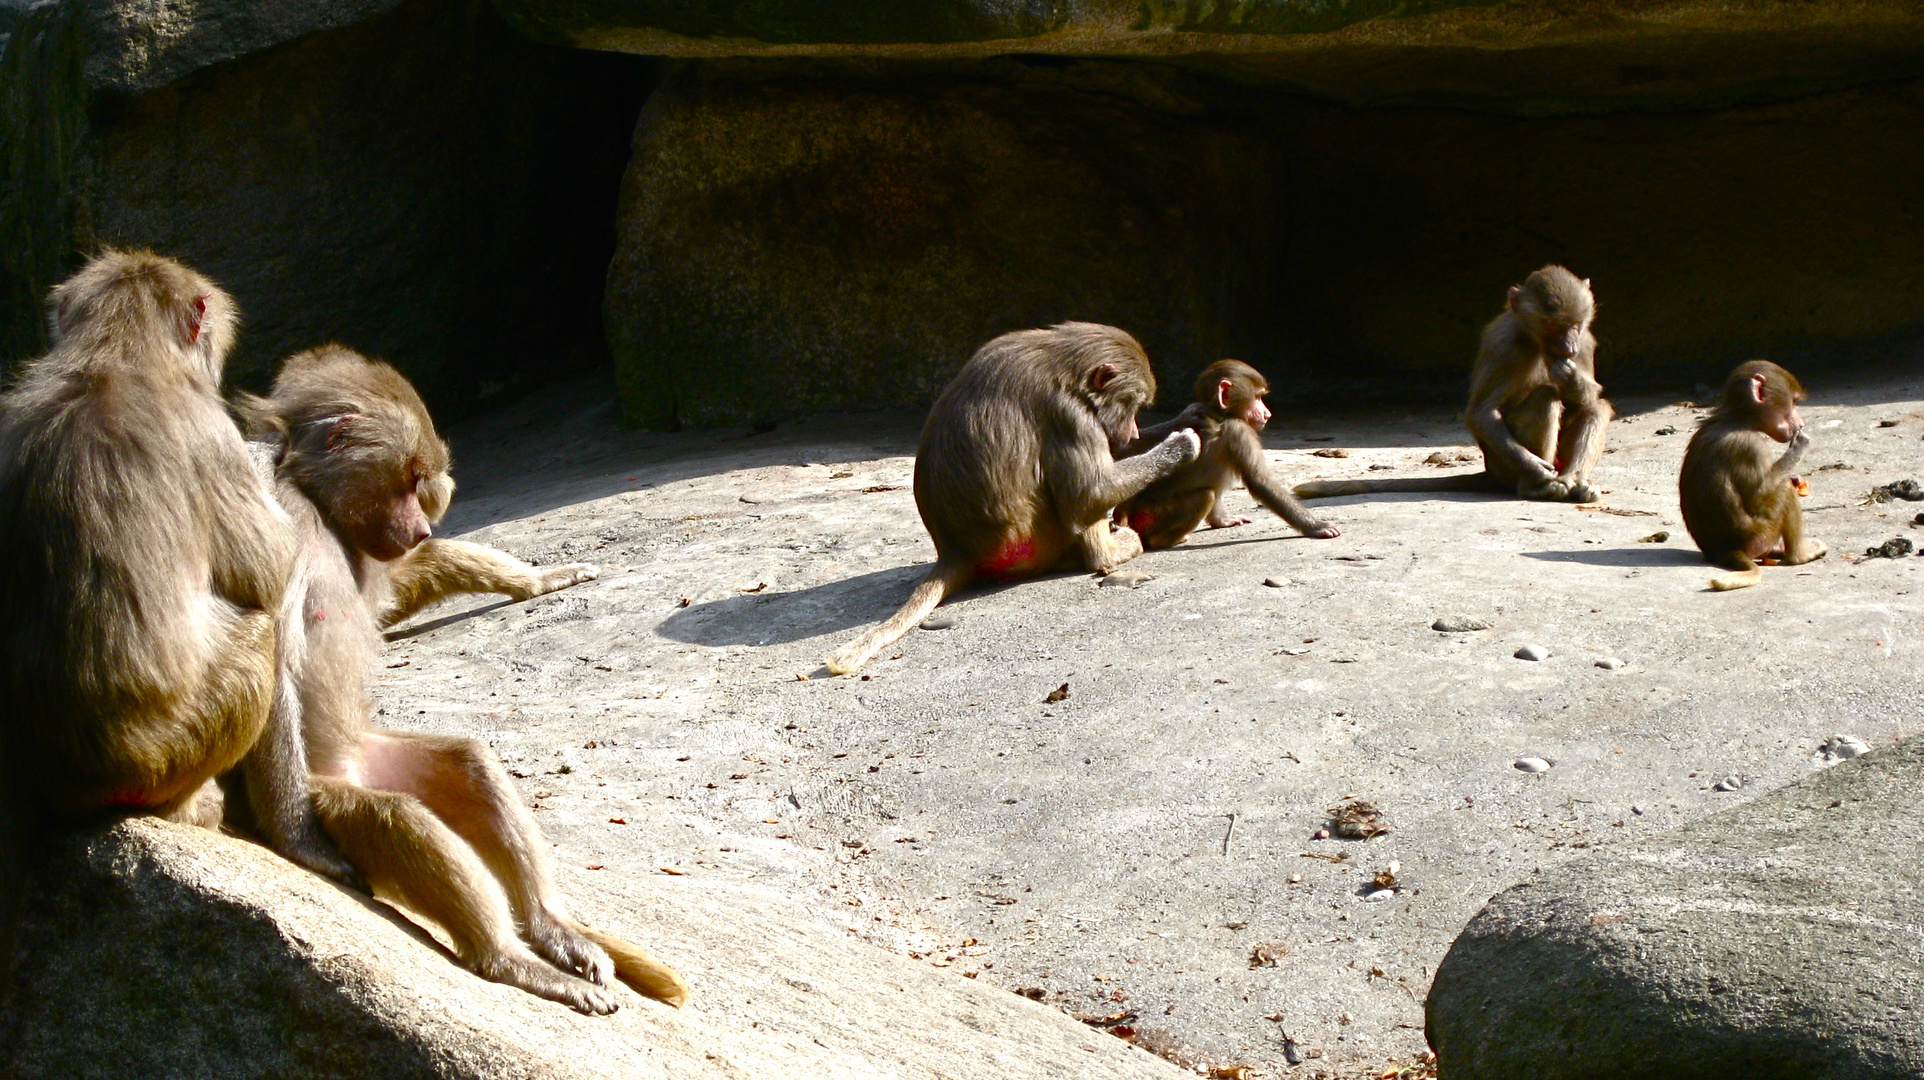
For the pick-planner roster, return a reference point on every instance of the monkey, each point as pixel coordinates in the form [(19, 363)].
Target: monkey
[(144, 569), (1016, 472), (432, 821), (1536, 408), (1228, 413), (1740, 506)]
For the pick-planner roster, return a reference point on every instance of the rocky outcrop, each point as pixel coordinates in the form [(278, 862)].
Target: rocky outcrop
[(1783, 938), (157, 951), (411, 178), (806, 234)]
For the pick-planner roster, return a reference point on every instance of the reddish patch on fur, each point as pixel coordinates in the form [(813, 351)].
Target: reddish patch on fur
[(1141, 521), (128, 796), (1557, 464), (1012, 554)]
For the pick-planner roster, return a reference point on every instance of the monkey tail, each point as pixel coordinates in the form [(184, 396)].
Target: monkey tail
[(1740, 579), (943, 582), (1327, 489), (647, 975)]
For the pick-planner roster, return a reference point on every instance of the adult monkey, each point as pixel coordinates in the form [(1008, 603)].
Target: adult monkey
[(430, 820), (1536, 408), (1740, 506), (1228, 414), (143, 572), (1016, 473)]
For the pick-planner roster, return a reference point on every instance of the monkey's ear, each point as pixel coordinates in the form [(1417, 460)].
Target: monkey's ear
[(1101, 376), (1757, 389), (338, 426), (1515, 291), (1222, 395), (196, 318), (1586, 283)]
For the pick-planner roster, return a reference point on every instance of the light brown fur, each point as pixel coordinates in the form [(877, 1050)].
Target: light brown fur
[(1016, 473), (433, 821), (1228, 414), (1535, 409), (1737, 493), (143, 570)]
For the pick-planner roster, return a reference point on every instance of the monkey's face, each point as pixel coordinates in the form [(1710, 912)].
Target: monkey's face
[(389, 521), (1779, 420), (1255, 414), (1559, 338)]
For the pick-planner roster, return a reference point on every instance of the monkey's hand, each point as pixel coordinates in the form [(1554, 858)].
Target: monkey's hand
[(1225, 521), (1323, 531), (1180, 448), (314, 851), (551, 578)]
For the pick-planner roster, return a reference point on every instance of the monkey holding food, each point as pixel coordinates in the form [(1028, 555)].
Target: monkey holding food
[(1016, 473), (430, 820), (1228, 415), (1536, 408), (144, 570), (1740, 505)]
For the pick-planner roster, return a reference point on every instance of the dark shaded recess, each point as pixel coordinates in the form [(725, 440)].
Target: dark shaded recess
[(800, 235), (809, 22), (426, 186)]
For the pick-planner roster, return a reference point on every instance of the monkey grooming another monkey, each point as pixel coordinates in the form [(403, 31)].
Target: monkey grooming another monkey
[(144, 567), (1016, 473), (1228, 414), (1536, 408), (1741, 506), (432, 821)]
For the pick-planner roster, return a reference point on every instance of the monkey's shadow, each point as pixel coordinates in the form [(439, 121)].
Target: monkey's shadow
[(1638, 557)]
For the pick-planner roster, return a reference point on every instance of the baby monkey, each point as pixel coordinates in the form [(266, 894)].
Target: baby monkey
[(1739, 505), (1228, 413)]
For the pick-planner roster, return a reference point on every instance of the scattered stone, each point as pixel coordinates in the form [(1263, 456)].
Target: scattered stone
[(753, 498), (1908, 490), (1610, 663), (1835, 466), (938, 622), (1728, 783), (1637, 810), (1276, 582), (1060, 693), (1531, 765), (1458, 624), (1357, 820), (1127, 579), (1532, 652), (1378, 894), (1918, 520), (1666, 430), (1843, 748), (1331, 451), (1887, 423), (1895, 548), (1378, 467), (1657, 537)]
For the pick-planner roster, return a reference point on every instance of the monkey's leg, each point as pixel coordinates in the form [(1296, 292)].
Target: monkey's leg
[(1533, 422), (1580, 446), (464, 784), (440, 568), (1101, 551), (1169, 522), (1798, 548), (409, 853)]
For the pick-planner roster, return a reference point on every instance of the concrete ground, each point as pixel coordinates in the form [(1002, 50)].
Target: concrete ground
[(1147, 846)]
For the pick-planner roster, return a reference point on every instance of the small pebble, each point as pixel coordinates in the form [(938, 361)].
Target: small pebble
[(1532, 652), (1276, 582), (1666, 430), (1295, 879), (1843, 748), (1128, 579), (1458, 624), (1637, 810), (1378, 894), (1320, 834), (1729, 783), (1291, 1053), (937, 622), (1657, 537), (1610, 663), (1531, 764)]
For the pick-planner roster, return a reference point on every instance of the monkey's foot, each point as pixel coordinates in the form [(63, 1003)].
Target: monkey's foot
[(1551, 490), (1813, 551), (553, 578), (528, 972), (559, 943), (1582, 493)]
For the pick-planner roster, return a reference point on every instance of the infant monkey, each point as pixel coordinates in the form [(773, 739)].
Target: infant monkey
[(1739, 505), (1228, 413)]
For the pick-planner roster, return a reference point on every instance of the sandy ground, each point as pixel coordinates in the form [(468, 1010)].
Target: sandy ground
[(1146, 846)]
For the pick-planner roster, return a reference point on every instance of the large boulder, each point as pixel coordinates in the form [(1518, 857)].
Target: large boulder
[(157, 951), (800, 234), (1781, 938), (408, 176)]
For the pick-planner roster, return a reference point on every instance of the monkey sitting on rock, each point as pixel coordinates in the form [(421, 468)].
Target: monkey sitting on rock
[(1536, 408), (1228, 414), (431, 820), (1740, 506)]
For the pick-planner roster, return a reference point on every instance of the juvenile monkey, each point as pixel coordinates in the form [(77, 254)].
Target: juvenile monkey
[(1228, 414), (1740, 506), (1536, 408), (431, 820), (143, 571), (1016, 473)]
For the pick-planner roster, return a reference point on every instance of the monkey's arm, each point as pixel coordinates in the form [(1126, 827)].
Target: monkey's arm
[(1244, 450), (1191, 417), (1088, 483), (1786, 466), (441, 568)]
